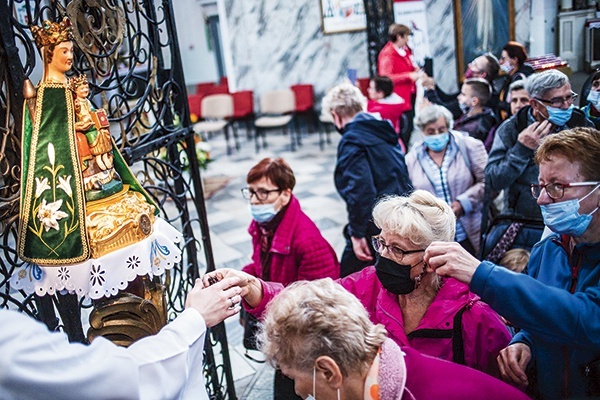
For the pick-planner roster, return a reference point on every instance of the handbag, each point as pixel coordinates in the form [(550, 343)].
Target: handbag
[(251, 329)]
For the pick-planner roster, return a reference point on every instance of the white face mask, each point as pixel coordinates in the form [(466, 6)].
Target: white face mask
[(313, 396)]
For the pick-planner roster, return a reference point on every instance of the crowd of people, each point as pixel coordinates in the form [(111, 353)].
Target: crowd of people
[(410, 311)]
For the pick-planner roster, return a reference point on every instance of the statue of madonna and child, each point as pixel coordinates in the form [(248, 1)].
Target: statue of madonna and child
[(86, 225)]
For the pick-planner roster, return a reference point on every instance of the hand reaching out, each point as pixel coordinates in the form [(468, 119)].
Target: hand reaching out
[(451, 259), (216, 302), (250, 286)]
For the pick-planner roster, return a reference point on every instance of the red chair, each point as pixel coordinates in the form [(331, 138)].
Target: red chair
[(224, 82), (205, 89), (243, 110), (305, 102), (194, 103), (363, 85)]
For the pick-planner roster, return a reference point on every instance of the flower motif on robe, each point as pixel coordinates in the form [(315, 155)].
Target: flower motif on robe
[(41, 185), (49, 214), (64, 183)]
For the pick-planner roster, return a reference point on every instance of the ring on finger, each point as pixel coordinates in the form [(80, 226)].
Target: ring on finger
[(232, 302)]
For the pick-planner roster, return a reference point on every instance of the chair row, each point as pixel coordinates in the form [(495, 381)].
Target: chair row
[(279, 109)]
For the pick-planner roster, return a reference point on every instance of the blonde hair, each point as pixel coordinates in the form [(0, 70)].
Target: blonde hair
[(515, 259), (319, 318), (421, 218), (345, 100)]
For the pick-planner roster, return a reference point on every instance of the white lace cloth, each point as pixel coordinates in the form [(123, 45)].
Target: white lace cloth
[(105, 276)]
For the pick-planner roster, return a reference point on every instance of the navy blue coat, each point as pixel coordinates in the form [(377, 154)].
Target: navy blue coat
[(370, 164)]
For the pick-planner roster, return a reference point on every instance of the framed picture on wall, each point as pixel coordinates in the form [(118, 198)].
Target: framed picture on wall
[(339, 16), (481, 26)]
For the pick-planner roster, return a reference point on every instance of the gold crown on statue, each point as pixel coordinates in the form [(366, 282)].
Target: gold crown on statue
[(52, 32), (77, 81)]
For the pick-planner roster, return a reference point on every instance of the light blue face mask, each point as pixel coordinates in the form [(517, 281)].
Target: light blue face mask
[(564, 218), (262, 212), (558, 116), (594, 98), (437, 142)]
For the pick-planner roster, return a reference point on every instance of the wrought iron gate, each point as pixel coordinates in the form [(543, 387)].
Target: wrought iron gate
[(380, 15), (130, 53)]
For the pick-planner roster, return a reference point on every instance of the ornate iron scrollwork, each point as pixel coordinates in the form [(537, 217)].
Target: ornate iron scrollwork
[(129, 51), (380, 15)]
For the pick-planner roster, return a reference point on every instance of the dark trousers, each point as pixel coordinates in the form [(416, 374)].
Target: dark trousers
[(283, 387), (410, 126), (349, 264)]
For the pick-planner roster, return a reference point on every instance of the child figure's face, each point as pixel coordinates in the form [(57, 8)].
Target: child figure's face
[(82, 91), (373, 93)]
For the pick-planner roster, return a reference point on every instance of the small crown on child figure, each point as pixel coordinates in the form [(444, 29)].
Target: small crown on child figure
[(77, 81), (52, 32)]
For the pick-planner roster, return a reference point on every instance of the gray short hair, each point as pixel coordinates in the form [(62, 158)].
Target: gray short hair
[(345, 99), (538, 84), (319, 318), (421, 217), (517, 85), (430, 114)]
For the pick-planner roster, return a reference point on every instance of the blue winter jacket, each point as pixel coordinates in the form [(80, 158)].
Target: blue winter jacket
[(562, 329), (370, 164)]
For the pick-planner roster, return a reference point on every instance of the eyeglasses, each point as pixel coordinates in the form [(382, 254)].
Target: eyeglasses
[(398, 253), (559, 101), (260, 194), (557, 190)]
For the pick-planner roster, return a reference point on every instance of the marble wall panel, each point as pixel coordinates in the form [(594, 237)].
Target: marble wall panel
[(278, 43)]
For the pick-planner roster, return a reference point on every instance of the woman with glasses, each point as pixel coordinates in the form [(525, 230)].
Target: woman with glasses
[(287, 245), (557, 305), (438, 317)]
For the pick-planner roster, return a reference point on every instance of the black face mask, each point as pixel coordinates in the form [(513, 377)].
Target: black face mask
[(340, 130), (394, 277)]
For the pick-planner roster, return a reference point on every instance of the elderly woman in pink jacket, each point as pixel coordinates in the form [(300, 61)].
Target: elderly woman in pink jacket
[(439, 317), (450, 165), (321, 336), (287, 245)]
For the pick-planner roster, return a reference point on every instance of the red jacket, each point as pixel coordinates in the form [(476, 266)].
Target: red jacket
[(298, 250), (391, 64)]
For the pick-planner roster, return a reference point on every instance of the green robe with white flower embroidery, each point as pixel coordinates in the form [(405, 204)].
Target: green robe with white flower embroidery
[(52, 226)]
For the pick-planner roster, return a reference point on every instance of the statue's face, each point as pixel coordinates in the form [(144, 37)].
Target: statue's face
[(82, 91), (62, 58)]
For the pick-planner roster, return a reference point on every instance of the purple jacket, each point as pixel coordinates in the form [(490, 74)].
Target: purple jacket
[(298, 251), (484, 333)]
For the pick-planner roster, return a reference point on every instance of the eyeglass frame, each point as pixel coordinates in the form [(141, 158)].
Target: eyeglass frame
[(562, 100), (247, 193), (392, 249), (564, 186)]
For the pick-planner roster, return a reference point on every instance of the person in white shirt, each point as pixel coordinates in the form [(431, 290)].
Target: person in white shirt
[(38, 364)]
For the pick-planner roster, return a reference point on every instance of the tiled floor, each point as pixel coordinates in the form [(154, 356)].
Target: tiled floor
[(228, 219)]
